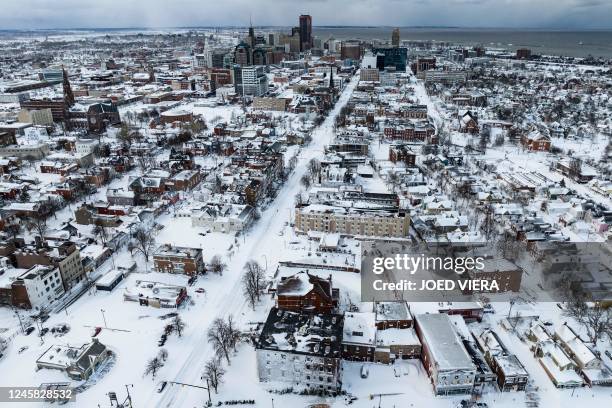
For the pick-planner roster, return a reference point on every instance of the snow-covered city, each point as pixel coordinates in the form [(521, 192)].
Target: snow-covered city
[(245, 216)]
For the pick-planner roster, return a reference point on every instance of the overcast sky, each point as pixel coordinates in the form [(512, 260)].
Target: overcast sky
[(570, 14)]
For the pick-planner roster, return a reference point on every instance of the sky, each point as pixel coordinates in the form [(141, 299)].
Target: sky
[(557, 14)]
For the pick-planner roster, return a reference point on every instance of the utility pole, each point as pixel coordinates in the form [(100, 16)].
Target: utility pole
[(129, 397), (512, 301), (207, 388), (104, 318), (19, 318)]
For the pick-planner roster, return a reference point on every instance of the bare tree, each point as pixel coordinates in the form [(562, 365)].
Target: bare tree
[(306, 181), (13, 230), (232, 334), (124, 135), (394, 179), (179, 325), (487, 224), (3, 344), (218, 184), (595, 319), (153, 366), (293, 162), (38, 224), (142, 242), (216, 264), (214, 372), (509, 247), (514, 321), (162, 355), (575, 168), (314, 169), (100, 232), (217, 337), (253, 282)]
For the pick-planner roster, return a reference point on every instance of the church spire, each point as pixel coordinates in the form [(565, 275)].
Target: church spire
[(68, 95)]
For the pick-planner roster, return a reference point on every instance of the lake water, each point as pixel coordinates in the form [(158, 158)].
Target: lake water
[(569, 43)]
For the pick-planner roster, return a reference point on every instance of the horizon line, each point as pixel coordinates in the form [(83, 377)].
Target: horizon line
[(326, 26)]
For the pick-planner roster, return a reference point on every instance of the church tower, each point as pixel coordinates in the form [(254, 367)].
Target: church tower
[(68, 95)]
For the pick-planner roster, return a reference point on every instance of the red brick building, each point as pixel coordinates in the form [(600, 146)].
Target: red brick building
[(303, 292), (402, 154), (536, 141)]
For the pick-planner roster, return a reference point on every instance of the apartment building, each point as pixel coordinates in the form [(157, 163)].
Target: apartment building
[(303, 350), (42, 284), (272, 104), (346, 220), (250, 80), (174, 259), (64, 255), (369, 74)]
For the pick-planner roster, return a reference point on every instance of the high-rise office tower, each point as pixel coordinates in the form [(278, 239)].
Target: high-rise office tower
[(305, 32), (395, 37)]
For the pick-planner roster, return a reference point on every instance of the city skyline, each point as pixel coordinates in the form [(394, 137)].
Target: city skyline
[(521, 14)]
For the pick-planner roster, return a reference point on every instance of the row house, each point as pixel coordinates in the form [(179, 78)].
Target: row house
[(9, 165), (413, 111), (11, 191), (511, 375), (223, 217), (393, 315), (184, 181), (359, 336), (410, 132), (403, 154), (97, 176), (120, 163), (88, 215), (506, 274), (121, 197), (179, 160), (576, 349), (58, 168)]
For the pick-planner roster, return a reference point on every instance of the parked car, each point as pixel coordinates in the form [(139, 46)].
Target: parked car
[(365, 371), (161, 386), (29, 330)]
